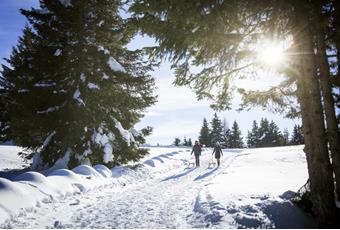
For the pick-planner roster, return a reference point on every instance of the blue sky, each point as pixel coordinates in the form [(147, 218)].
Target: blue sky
[(177, 113)]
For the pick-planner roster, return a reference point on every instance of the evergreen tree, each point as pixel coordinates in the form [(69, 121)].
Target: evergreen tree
[(216, 133), (177, 141), (207, 33), (235, 140), (185, 142), (285, 140), (74, 91), (227, 138), (264, 137), (204, 137), (253, 137), (297, 136), (189, 142), (275, 136)]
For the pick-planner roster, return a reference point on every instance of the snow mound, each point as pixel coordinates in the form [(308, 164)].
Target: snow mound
[(42, 183), (32, 177), (103, 170), (66, 173), (86, 170), (15, 197)]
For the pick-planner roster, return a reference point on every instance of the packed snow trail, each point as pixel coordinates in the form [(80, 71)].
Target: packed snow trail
[(166, 201), (250, 189)]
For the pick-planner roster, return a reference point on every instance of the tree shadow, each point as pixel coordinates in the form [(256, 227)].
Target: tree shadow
[(205, 174), (176, 176), (13, 173)]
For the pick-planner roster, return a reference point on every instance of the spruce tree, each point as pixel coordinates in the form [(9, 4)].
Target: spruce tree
[(285, 140), (253, 137), (264, 138), (219, 38), (216, 133), (185, 142), (227, 138), (235, 140), (204, 137), (189, 142), (275, 136), (177, 141), (297, 136), (74, 91)]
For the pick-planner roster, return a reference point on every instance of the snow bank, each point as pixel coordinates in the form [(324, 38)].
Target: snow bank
[(251, 191), (103, 170), (29, 189), (10, 158)]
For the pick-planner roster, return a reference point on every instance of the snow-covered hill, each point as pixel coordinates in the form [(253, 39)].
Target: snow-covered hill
[(251, 189)]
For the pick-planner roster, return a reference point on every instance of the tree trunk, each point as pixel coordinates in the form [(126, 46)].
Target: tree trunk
[(328, 101), (319, 167), (337, 36)]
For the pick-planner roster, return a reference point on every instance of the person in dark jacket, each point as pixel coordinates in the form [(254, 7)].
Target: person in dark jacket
[(218, 153), (197, 149)]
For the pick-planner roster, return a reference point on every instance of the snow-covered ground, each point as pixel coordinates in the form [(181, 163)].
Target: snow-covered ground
[(251, 189)]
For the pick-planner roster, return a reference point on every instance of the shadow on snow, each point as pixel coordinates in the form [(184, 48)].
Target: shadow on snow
[(205, 174), (176, 176)]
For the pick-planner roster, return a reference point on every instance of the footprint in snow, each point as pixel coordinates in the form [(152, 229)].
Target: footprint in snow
[(76, 202)]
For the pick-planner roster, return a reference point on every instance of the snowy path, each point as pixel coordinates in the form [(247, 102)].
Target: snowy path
[(251, 189), (166, 201)]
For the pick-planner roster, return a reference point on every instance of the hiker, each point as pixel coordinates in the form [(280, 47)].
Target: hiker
[(218, 153), (196, 149)]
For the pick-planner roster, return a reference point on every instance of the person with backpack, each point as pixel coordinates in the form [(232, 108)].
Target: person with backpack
[(218, 153), (197, 149)]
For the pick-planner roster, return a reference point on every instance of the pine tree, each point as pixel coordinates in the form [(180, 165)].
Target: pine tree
[(185, 142), (275, 136), (285, 140), (74, 90), (207, 33), (235, 140), (204, 137), (216, 133), (189, 142), (227, 138), (297, 136), (253, 137), (264, 138), (177, 141)]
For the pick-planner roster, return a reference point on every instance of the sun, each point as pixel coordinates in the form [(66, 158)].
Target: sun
[(271, 54)]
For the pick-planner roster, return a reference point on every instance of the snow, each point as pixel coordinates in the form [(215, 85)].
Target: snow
[(101, 48), (44, 85), (50, 109), (23, 90), (76, 96), (10, 160), (92, 86), (57, 52), (65, 3), (101, 23), (82, 77), (115, 66), (251, 189), (125, 133), (105, 77), (108, 156)]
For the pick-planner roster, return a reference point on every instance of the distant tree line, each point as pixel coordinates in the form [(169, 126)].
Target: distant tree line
[(185, 142), (266, 134), (269, 135)]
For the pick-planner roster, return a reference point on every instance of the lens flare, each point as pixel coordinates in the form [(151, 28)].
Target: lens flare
[(271, 55)]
